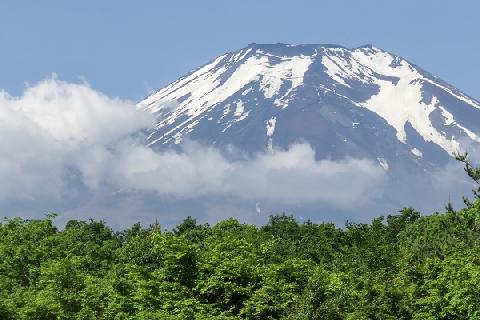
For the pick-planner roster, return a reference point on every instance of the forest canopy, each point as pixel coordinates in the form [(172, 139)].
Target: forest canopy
[(402, 266)]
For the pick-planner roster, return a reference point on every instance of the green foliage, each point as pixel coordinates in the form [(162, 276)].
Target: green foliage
[(404, 266), (474, 174)]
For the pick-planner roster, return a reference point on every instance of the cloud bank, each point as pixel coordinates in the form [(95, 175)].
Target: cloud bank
[(60, 140), (57, 130), (287, 176), (69, 148)]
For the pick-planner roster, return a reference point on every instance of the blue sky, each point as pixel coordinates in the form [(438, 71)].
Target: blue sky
[(126, 48)]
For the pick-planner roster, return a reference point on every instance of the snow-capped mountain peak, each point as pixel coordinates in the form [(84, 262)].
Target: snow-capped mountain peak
[(358, 102)]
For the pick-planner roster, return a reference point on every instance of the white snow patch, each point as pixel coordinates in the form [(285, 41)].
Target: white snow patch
[(401, 103), (177, 138), (334, 71), (340, 65), (469, 133), (417, 152), (155, 102), (449, 120), (459, 96), (243, 116), (270, 126), (247, 91), (239, 109), (242, 55), (291, 68)]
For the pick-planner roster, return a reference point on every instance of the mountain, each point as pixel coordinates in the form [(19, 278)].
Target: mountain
[(363, 102), (360, 103)]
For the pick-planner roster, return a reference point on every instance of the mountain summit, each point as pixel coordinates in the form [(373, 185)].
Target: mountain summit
[(362, 102)]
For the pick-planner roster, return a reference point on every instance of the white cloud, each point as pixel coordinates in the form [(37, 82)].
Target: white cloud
[(56, 130), (59, 134), (287, 176), (67, 146)]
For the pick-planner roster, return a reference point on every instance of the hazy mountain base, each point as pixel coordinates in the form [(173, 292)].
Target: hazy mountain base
[(401, 267), (252, 192)]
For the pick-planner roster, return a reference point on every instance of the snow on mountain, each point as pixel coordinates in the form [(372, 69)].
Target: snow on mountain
[(362, 102)]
